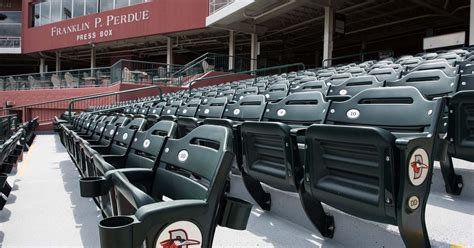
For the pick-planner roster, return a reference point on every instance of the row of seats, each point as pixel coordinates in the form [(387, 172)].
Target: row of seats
[(134, 167), (10, 151), (369, 153)]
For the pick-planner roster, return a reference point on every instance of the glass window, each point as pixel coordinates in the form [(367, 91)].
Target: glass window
[(10, 24), (55, 11), (136, 1), (78, 8), (45, 17), (67, 9), (121, 3), (91, 6), (106, 5), (36, 15)]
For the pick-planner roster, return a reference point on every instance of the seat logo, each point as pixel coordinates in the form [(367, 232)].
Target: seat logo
[(236, 111), (281, 112), (154, 111), (169, 111), (418, 167), (146, 143), (267, 96), (183, 155), (125, 136), (343, 92), (185, 111), (102, 129), (111, 132), (353, 114), (181, 234), (206, 111)]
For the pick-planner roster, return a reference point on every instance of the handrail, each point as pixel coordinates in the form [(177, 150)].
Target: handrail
[(40, 103), (354, 55), (118, 108), (71, 103), (255, 72), (55, 72)]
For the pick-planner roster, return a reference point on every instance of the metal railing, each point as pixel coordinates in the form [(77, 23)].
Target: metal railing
[(129, 71), (10, 42), (58, 79), (209, 62), (255, 73), (133, 71), (360, 55), (84, 102), (216, 5), (46, 111)]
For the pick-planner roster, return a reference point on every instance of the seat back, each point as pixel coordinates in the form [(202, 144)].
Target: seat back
[(298, 109), (214, 109), (400, 110), (276, 92), (197, 163), (210, 95), (100, 127), (190, 109), (157, 109), (316, 85), (337, 79), (172, 108), (385, 74), (111, 129), (250, 107), (442, 65), (354, 85), (247, 91), (147, 145), (125, 135), (431, 83)]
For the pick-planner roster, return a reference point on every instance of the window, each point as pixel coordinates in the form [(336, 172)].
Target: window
[(91, 6), (45, 17), (55, 11), (49, 11), (66, 9), (10, 24), (106, 5), (121, 3), (78, 8), (36, 15), (132, 2)]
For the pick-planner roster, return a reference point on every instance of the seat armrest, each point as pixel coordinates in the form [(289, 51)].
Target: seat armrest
[(402, 143), (300, 131), (149, 219)]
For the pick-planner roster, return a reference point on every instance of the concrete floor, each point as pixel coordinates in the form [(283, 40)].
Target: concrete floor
[(46, 210)]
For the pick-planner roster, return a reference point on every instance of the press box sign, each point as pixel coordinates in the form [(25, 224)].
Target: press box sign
[(100, 27)]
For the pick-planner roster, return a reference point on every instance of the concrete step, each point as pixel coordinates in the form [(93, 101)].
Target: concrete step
[(450, 219)]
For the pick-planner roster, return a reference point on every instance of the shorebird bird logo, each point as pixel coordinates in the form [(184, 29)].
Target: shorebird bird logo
[(418, 167), (178, 239)]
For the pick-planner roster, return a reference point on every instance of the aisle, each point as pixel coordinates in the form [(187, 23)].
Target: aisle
[(45, 208)]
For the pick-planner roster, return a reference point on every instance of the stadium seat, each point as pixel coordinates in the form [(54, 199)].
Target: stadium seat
[(270, 148), (384, 176), (354, 85), (214, 109), (197, 199)]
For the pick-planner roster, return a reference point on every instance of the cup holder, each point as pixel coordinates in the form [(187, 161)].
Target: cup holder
[(116, 231), (236, 213), (93, 186)]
